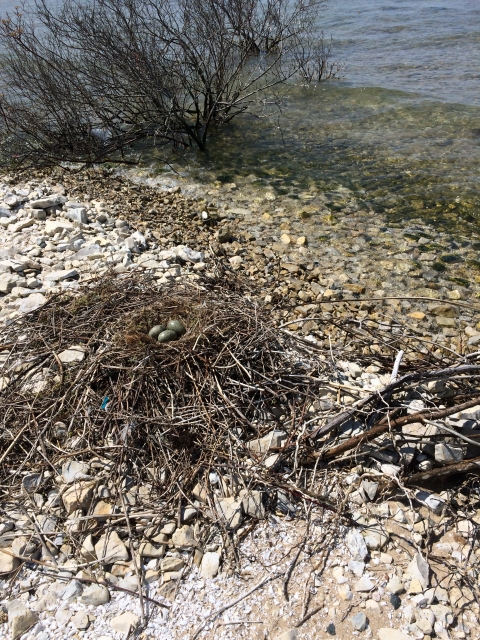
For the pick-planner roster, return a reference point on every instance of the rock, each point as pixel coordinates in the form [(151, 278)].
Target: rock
[(86, 252), (359, 621), (188, 514), (357, 567), (375, 539), (291, 634), (344, 592), (7, 563), (75, 353), (95, 595), (285, 239), (356, 545), (189, 255), (420, 430), (171, 564), (20, 618), (78, 496), (61, 275), (80, 620), (151, 575), (425, 620), (434, 503), (392, 634), (183, 538), (443, 614), (53, 227), (395, 601), (8, 282), (252, 502), (73, 589), (395, 585), (110, 549), (124, 623), (78, 215), (46, 203), (235, 261), (272, 440), (32, 303), (210, 564), (73, 470), (370, 488), (446, 453), (150, 550), (418, 569), (363, 585), (230, 511)]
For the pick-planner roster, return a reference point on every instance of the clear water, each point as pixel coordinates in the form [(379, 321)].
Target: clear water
[(400, 130)]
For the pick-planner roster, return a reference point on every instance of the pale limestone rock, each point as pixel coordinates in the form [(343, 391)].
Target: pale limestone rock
[(252, 502), (110, 549), (363, 585), (210, 564), (418, 569), (171, 564), (75, 353), (392, 634), (78, 496), (272, 440), (20, 618), (356, 545), (7, 563), (95, 594), (230, 511), (80, 620), (73, 470), (183, 538), (150, 550)]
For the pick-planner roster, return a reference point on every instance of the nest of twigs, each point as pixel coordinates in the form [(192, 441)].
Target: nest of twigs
[(162, 413)]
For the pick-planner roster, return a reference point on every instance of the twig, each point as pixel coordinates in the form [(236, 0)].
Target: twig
[(215, 614)]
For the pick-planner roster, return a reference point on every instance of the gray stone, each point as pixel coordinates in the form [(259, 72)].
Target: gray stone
[(395, 585), (189, 255), (150, 550), (183, 538), (8, 282), (386, 633), (434, 503), (252, 502), (75, 353), (171, 564), (425, 620), (72, 590), (85, 252), (80, 620), (124, 623), (95, 595), (210, 564), (359, 621), (46, 203), (363, 585), (446, 453), (78, 215), (357, 567), (356, 545), (78, 496), (375, 539), (370, 488), (60, 276), (272, 440), (230, 512), (291, 634), (419, 569), (73, 470), (20, 618), (7, 562), (57, 226), (110, 549)]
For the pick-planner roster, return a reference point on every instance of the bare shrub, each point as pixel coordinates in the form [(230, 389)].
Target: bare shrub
[(92, 81)]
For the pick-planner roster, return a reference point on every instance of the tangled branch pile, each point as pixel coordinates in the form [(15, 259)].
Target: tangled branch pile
[(103, 426)]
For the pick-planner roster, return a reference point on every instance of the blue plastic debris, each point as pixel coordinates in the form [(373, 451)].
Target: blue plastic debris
[(104, 402)]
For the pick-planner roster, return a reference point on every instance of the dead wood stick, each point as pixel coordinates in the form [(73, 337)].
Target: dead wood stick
[(231, 604), (388, 389), (443, 472), (384, 426)]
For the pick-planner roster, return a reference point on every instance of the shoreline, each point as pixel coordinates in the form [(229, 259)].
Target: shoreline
[(79, 230)]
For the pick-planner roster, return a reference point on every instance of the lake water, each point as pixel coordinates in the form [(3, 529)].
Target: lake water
[(400, 131)]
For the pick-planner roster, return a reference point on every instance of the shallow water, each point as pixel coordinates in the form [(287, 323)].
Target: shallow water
[(400, 131)]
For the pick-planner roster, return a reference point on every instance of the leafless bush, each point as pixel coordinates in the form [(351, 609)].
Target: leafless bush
[(91, 81)]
